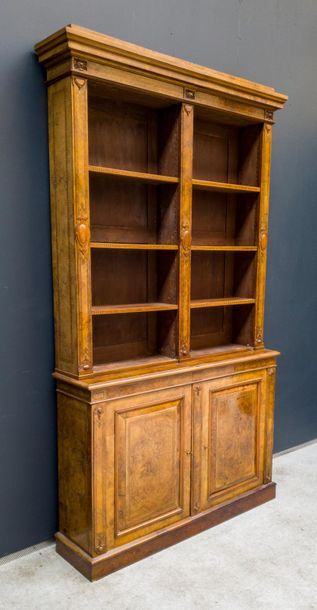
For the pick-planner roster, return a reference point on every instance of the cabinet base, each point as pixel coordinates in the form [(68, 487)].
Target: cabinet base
[(97, 567)]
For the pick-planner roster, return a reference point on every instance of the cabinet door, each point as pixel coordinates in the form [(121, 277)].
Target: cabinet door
[(148, 460), (229, 437)]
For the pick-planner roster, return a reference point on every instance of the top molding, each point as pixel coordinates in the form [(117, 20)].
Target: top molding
[(59, 51)]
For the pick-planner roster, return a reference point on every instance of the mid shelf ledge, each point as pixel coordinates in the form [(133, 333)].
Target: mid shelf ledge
[(100, 310), (220, 302), (125, 246), (225, 187), (132, 175)]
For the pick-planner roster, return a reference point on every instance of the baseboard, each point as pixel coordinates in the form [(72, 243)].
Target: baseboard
[(97, 567), (295, 448)]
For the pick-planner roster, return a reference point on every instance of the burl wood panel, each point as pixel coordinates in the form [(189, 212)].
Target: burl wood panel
[(75, 470), (148, 462), (232, 437)]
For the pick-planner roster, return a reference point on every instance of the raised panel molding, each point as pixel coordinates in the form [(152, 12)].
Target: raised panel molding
[(149, 464), (232, 438), (233, 434)]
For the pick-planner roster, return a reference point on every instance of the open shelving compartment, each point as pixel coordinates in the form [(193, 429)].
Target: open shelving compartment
[(225, 211), (134, 216), (135, 173)]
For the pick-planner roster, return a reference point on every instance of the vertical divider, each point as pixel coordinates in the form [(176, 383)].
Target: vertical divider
[(185, 232), (263, 214)]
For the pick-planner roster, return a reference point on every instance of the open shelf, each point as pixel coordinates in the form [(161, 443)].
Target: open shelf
[(224, 220), (133, 213), (117, 246), (222, 275), (134, 337), (101, 310), (220, 302), (217, 327), (132, 278), (132, 139), (223, 187), (225, 155)]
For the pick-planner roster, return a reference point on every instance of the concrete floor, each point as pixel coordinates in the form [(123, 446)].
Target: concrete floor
[(264, 559)]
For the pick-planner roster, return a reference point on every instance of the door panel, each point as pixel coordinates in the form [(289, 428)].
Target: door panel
[(150, 453), (229, 443)]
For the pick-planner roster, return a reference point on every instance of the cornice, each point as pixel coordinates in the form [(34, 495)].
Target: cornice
[(76, 41)]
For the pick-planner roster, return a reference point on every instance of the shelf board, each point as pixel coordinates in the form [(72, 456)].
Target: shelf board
[(101, 310), (226, 248), (221, 349), (224, 187), (114, 245), (130, 175), (220, 302)]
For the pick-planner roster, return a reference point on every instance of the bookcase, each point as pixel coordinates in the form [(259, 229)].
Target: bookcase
[(159, 197)]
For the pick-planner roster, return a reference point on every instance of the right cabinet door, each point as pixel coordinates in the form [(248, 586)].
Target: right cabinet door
[(230, 437)]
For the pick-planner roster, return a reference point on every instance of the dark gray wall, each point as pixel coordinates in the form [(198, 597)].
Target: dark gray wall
[(273, 42)]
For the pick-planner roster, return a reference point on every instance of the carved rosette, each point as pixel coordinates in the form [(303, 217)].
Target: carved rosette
[(271, 371), (269, 115), (259, 335), (79, 64), (100, 543), (184, 351), (98, 413)]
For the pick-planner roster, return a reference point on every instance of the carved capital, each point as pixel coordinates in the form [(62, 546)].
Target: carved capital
[(79, 82), (271, 371), (188, 108), (82, 234)]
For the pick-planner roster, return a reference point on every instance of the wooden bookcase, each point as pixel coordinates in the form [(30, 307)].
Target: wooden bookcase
[(159, 196)]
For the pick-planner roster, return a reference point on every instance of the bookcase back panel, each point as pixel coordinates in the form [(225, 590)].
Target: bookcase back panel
[(214, 152), (118, 137)]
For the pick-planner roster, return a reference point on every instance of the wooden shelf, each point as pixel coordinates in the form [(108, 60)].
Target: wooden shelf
[(220, 302), (224, 187), (220, 350), (130, 175), (101, 310), (123, 246), (226, 248)]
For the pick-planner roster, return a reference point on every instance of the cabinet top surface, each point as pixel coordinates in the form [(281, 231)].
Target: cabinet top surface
[(76, 41)]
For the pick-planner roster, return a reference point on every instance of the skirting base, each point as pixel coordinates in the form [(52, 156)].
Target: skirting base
[(97, 567)]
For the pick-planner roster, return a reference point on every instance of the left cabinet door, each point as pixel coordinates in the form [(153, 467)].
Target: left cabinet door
[(147, 460)]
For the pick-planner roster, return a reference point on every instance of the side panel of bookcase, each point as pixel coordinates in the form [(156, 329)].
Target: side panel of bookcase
[(68, 138)]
